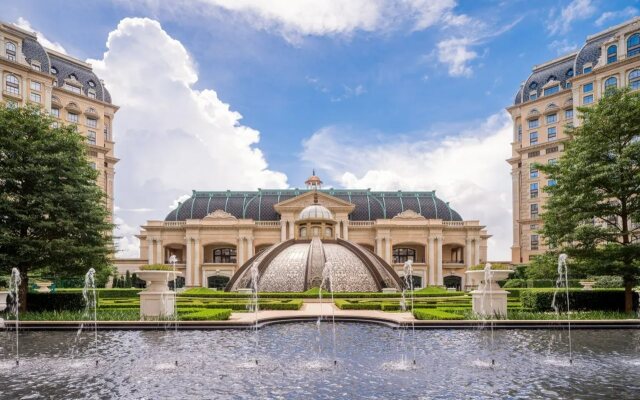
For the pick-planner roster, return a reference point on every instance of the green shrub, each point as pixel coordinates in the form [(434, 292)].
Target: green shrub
[(312, 294), (118, 293), (608, 281), (430, 314), (515, 283), (65, 301), (207, 314), (600, 300), (388, 306), (348, 305), (156, 267), (497, 267)]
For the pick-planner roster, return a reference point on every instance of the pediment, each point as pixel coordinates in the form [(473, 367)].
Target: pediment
[(305, 199), (219, 215), (408, 214)]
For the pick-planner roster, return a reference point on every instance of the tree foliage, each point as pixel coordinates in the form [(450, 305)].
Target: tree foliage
[(594, 208), (52, 214)]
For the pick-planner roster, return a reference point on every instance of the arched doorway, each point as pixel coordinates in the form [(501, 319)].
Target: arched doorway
[(217, 282), (452, 281)]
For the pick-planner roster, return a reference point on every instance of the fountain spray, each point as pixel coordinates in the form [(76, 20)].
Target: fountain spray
[(255, 277), (173, 260), (563, 279), (90, 302), (327, 276), (408, 284), (14, 292)]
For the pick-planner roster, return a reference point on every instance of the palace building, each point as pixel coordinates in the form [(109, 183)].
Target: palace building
[(546, 104), (64, 87), (367, 236)]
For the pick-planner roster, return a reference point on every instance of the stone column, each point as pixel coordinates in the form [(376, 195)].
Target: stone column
[(240, 252), (476, 252), (439, 280), (249, 248), (196, 263), (388, 254), (467, 253), (150, 253), (189, 263), (159, 252), (378, 248), (291, 228), (283, 230), (432, 262), (345, 229)]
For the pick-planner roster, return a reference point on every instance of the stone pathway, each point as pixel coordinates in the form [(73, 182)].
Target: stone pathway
[(323, 309)]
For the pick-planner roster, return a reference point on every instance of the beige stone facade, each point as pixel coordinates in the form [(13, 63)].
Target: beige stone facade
[(64, 87), (211, 242), (546, 104)]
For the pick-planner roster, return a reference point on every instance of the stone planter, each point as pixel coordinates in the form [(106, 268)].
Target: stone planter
[(389, 290), (157, 300), (489, 299), (587, 285), (43, 286), (3, 299)]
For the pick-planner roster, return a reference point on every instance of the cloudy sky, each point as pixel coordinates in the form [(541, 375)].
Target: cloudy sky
[(380, 94)]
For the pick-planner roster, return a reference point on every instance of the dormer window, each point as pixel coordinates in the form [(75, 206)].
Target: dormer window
[(35, 65), (91, 93), (54, 70), (72, 88), (551, 90), (633, 45), (570, 73), (73, 77), (533, 95), (92, 84), (612, 54), (10, 50), (587, 69)]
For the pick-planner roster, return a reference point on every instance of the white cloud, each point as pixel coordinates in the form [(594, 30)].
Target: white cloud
[(455, 53), (574, 11), (171, 138), (468, 170), (295, 19), (625, 13), (24, 24), (562, 46)]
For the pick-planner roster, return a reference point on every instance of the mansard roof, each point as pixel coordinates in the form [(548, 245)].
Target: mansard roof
[(258, 205)]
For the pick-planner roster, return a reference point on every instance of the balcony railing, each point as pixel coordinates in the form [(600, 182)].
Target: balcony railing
[(174, 224), (361, 223), (268, 224)]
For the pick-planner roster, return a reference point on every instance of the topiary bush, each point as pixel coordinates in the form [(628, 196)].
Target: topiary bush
[(207, 314), (608, 281), (601, 300), (435, 314)]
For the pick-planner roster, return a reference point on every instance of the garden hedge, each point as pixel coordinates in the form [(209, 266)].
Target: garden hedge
[(434, 314), (207, 314), (579, 300), (208, 293), (72, 301)]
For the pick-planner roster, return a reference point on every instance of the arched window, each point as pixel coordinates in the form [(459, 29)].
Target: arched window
[(570, 72), (12, 84), (403, 254), (610, 83), (612, 54), (634, 79), (10, 50), (633, 45), (225, 255), (303, 232)]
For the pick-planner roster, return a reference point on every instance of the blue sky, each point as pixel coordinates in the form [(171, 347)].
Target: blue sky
[(397, 94)]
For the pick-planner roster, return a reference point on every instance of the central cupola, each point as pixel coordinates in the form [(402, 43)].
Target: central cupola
[(315, 220)]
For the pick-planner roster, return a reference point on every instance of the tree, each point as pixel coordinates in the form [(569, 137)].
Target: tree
[(52, 214), (594, 208)]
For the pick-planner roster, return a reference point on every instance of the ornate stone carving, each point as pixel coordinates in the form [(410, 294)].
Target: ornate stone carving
[(220, 214), (408, 214)]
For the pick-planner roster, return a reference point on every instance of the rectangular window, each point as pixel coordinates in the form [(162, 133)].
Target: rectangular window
[(586, 70), (519, 133), (551, 182), (533, 137), (36, 86), (36, 67), (93, 165), (533, 96), (587, 88), (35, 97), (72, 117), (552, 161), (533, 190), (551, 90), (55, 112), (567, 85), (534, 211), (533, 172), (532, 154), (551, 133), (72, 88), (552, 119), (92, 122), (534, 123), (587, 99), (91, 137), (91, 93), (534, 242), (550, 150), (568, 114)]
